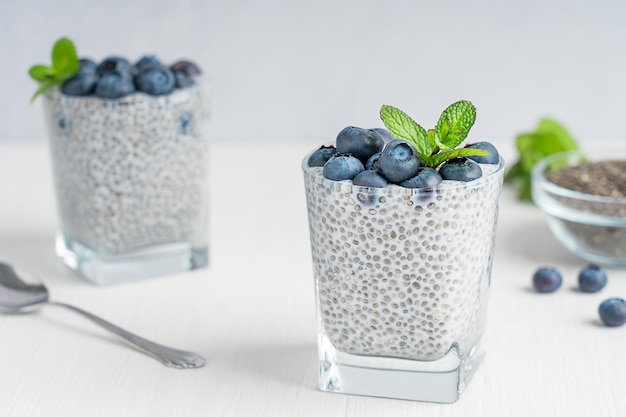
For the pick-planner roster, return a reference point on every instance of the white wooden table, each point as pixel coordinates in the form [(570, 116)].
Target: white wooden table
[(252, 314)]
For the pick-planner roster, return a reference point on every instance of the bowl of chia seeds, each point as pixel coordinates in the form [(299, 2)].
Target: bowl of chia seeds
[(584, 198)]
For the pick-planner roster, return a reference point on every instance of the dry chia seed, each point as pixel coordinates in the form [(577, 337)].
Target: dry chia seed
[(603, 178), (599, 235)]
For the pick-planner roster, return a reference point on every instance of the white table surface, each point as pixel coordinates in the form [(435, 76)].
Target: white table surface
[(251, 313)]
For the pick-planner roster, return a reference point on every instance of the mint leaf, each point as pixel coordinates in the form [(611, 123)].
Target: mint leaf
[(438, 142), (43, 87), (404, 127), (435, 145), (561, 135), (455, 123), (549, 137), (65, 63), (64, 57), (42, 72), (455, 153)]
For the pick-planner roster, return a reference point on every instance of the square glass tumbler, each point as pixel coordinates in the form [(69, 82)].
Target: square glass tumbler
[(131, 184), (401, 280)]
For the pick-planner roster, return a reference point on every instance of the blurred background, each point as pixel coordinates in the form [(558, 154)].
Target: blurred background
[(302, 70)]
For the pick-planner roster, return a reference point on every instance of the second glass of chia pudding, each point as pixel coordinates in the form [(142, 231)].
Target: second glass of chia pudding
[(402, 268), (130, 159)]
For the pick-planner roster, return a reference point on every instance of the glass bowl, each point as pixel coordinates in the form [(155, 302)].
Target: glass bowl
[(592, 226)]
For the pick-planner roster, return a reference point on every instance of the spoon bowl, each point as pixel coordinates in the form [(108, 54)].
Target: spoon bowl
[(22, 292)]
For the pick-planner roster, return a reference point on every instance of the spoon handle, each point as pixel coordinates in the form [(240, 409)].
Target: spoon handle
[(168, 356)]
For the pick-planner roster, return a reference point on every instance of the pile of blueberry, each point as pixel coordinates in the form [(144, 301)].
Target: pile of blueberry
[(591, 279), (116, 77), (374, 158)]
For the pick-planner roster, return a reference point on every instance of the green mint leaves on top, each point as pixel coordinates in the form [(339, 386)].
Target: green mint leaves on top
[(437, 145), (548, 138), (454, 124), (65, 63)]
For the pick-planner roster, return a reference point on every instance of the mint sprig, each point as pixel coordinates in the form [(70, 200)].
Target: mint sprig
[(65, 63), (548, 138), (437, 145)]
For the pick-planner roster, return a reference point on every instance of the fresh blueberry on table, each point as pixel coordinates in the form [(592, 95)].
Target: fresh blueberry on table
[(361, 143), (426, 177), (370, 178), (156, 81), (321, 156), (492, 158), (547, 279), (398, 161), (342, 167), (116, 65), (147, 61), (592, 278), (460, 169), (113, 85), (613, 312)]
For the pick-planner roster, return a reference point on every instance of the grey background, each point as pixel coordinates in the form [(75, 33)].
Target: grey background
[(302, 70)]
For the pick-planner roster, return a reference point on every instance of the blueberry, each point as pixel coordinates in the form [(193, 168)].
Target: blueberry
[(372, 161), (114, 85), (182, 80), (547, 279), (399, 161), (492, 158), (87, 65), (361, 143), (592, 278), (187, 67), (370, 178), (80, 85), (613, 312), (185, 123), (146, 61), (342, 166), (117, 65), (63, 125), (83, 83), (321, 156), (426, 177), (185, 73), (460, 169), (155, 81), (384, 134)]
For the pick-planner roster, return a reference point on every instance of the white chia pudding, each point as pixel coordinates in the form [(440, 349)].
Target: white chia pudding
[(130, 172), (403, 272)]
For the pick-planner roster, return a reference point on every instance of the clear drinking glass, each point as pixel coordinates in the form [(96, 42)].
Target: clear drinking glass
[(131, 182), (401, 278)]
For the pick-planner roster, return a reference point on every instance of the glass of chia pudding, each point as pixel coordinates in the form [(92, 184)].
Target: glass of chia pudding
[(130, 157), (402, 268)]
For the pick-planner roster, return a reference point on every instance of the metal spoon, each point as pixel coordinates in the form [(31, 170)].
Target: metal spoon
[(21, 292)]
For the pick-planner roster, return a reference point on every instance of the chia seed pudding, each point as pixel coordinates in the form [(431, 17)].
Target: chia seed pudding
[(130, 172), (402, 272)]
